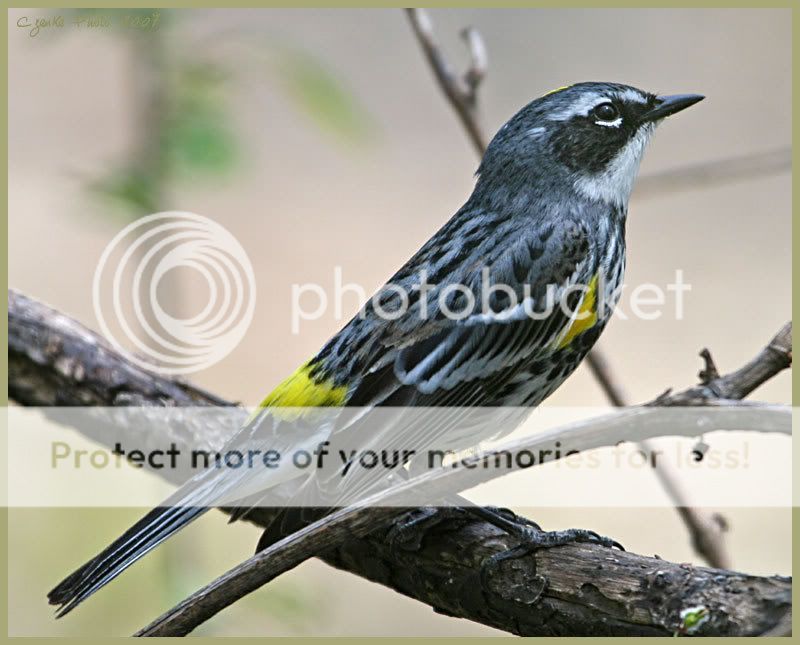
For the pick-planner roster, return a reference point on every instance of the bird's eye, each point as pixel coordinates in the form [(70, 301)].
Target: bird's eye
[(606, 112)]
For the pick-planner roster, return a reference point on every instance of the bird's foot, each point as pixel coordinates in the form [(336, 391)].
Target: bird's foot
[(531, 538), (407, 532)]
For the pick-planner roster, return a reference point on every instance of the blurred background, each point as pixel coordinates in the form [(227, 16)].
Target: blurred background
[(319, 139)]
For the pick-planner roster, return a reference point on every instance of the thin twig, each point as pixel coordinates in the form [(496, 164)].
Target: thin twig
[(462, 96), (709, 371), (612, 388), (479, 62), (721, 171)]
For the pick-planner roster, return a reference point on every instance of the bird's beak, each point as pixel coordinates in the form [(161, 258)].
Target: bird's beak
[(667, 105)]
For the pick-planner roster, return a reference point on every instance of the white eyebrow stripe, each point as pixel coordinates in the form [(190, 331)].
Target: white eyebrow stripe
[(632, 96), (587, 103), (611, 124), (580, 108)]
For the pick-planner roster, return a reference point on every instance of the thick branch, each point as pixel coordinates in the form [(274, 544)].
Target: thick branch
[(53, 359), (381, 508)]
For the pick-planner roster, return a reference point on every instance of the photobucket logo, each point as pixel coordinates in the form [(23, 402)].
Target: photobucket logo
[(492, 301), (126, 286)]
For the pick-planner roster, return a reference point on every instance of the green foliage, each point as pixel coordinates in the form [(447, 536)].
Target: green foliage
[(190, 135), (198, 136), (200, 141), (130, 187), (317, 92), (192, 139), (692, 618)]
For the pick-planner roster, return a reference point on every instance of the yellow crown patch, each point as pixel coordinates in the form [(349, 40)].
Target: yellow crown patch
[(558, 89)]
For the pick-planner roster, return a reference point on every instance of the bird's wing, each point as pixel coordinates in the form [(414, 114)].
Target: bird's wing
[(441, 362), (432, 357)]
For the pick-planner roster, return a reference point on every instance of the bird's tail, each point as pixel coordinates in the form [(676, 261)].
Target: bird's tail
[(185, 505)]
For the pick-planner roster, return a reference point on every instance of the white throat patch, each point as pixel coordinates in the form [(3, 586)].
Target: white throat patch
[(614, 184)]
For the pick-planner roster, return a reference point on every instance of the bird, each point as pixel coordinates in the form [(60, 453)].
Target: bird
[(547, 214)]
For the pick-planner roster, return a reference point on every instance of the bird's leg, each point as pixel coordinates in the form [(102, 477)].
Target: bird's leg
[(407, 531), (530, 535)]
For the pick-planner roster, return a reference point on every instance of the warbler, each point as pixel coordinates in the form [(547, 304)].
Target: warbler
[(547, 215)]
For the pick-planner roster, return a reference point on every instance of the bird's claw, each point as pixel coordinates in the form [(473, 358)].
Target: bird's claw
[(532, 538), (546, 539)]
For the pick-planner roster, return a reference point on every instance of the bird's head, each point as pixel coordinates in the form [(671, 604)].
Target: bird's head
[(590, 135)]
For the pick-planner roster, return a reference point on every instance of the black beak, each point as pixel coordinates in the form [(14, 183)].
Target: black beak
[(667, 105)]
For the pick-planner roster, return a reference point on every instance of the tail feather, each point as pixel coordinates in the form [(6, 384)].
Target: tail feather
[(206, 490), (145, 535), (182, 507)]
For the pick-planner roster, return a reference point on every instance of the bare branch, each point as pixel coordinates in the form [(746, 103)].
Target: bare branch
[(707, 531), (710, 173), (53, 358), (462, 97), (377, 511), (775, 357), (479, 62), (709, 372), (598, 365)]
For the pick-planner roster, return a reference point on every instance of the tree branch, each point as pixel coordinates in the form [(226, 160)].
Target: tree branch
[(381, 508), (775, 357), (463, 96), (719, 171), (589, 590)]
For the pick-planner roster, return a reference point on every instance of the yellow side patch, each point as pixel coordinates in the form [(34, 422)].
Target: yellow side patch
[(586, 317), (558, 89), (300, 390)]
